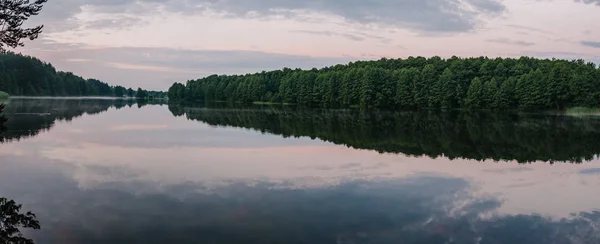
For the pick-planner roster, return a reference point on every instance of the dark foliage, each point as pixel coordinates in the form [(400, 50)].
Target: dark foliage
[(416, 83), (2, 118), (28, 76), (11, 220), (12, 15)]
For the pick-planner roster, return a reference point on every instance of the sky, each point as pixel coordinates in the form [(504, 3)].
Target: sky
[(153, 43)]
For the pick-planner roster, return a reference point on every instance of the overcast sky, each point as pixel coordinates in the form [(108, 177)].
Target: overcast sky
[(153, 43)]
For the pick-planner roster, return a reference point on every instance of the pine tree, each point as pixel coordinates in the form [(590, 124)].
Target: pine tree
[(448, 90), (407, 79), (505, 97), (426, 88), (474, 95), (490, 88), (557, 86)]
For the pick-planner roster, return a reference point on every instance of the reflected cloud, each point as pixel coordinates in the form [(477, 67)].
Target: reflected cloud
[(416, 209), (594, 171), (508, 170), (140, 127)]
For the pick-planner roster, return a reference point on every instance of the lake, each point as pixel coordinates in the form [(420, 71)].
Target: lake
[(117, 171)]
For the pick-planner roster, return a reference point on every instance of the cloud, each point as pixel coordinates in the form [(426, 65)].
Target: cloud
[(449, 16), (128, 66), (353, 36), (591, 44), (597, 2), (593, 171), (508, 170), (511, 42), (330, 33), (138, 127), (529, 29), (429, 16), (77, 60)]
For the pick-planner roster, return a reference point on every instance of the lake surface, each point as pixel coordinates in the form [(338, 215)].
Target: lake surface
[(114, 171)]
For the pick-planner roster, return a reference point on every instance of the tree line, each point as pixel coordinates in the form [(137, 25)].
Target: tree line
[(414, 83), (22, 75), (476, 135)]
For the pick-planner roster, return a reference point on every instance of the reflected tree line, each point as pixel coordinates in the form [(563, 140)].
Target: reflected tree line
[(457, 135), (28, 117)]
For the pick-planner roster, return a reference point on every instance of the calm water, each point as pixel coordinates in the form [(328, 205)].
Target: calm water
[(105, 171)]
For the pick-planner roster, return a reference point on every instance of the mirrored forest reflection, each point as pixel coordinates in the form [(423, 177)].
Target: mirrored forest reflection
[(28, 117), (480, 136)]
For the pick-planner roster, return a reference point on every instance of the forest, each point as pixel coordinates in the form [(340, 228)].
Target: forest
[(22, 75), (415, 83)]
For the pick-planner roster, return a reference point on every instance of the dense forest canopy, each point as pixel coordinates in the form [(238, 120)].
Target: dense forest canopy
[(22, 75), (414, 83)]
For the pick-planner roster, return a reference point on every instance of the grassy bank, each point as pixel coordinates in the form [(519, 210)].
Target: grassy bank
[(271, 103), (4, 95), (583, 111)]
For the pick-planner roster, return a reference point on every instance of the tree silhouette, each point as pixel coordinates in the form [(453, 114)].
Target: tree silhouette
[(11, 219), (12, 15), (2, 118)]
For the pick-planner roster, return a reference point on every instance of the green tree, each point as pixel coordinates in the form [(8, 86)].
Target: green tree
[(557, 88), (426, 91), (505, 97), (533, 84), (2, 118), (490, 88), (530, 91), (141, 94), (120, 91), (176, 92), (486, 71), (448, 90), (407, 80), (130, 92), (367, 89), (583, 87), (474, 95)]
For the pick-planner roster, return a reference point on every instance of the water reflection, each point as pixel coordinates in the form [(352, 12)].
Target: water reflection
[(27, 117), (480, 136), (141, 175), (417, 209)]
